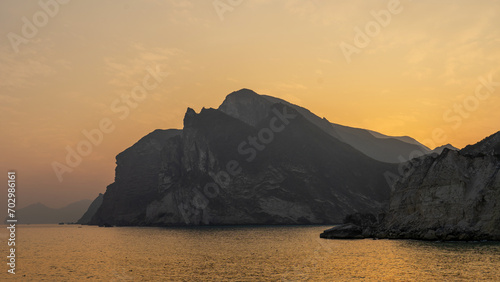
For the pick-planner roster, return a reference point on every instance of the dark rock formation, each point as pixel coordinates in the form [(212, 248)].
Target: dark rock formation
[(355, 226), (344, 231), (488, 146), (452, 196), (137, 180), (237, 166)]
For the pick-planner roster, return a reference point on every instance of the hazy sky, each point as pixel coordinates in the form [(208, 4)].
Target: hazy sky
[(397, 67)]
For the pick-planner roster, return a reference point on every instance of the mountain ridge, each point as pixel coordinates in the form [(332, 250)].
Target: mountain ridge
[(373, 144), (293, 172), (39, 213)]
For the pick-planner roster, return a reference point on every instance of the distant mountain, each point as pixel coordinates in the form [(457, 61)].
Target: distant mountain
[(92, 209), (251, 108), (439, 150), (255, 160), (381, 147), (40, 214)]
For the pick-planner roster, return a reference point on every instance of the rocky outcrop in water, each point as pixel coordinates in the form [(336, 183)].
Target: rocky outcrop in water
[(452, 196), (355, 226), (268, 165)]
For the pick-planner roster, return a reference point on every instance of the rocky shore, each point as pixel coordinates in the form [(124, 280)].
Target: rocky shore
[(454, 196)]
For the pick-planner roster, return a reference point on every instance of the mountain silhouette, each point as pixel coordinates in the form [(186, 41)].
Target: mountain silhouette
[(39, 213), (254, 160)]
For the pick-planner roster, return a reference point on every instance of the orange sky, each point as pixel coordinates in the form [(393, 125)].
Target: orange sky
[(423, 66)]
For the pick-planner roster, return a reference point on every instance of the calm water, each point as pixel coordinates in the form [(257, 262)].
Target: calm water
[(53, 252)]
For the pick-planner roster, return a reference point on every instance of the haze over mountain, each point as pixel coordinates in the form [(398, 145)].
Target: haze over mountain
[(439, 150), (92, 209), (40, 214), (255, 160)]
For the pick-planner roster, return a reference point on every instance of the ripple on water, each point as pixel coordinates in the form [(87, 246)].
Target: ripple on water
[(66, 252)]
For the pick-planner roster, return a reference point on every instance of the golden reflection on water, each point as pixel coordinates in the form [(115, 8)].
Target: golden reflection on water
[(71, 252)]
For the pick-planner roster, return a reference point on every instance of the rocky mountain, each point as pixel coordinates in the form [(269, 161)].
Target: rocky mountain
[(137, 177), (40, 214), (94, 206), (488, 146), (252, 161), (251, 108), (451, 196)]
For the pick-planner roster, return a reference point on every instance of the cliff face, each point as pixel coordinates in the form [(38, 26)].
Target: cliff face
[(136, 180), (277, 168), (451, 197)]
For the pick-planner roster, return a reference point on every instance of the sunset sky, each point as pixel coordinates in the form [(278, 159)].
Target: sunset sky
[(65, 68)]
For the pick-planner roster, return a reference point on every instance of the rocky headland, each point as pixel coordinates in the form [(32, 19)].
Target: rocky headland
[(454, 196)]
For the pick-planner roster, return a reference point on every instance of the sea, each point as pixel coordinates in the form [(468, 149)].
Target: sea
[(238, 253)]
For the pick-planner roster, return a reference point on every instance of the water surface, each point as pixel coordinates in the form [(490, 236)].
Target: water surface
[(278, 253)]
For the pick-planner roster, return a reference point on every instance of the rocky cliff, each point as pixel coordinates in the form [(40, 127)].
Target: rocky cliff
[(452, 196), (233, 166), (136, 180)]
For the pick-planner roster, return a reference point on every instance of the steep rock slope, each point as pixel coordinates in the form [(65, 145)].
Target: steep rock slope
[(275, 168), (136, 178), (451, 196), (454, 196)]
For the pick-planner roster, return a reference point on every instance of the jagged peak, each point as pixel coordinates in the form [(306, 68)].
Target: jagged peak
[(188, 117), (190, 111)]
